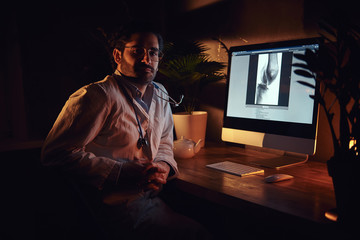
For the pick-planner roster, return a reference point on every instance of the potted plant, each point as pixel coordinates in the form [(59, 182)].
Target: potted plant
[(187, 69), (336, 67)]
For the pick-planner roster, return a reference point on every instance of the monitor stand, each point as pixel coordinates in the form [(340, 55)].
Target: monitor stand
[(281, 159)]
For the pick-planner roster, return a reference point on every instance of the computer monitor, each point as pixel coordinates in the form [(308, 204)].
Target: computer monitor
[(266, 106)]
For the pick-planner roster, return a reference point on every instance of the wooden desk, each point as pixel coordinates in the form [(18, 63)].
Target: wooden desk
[(307, 196)]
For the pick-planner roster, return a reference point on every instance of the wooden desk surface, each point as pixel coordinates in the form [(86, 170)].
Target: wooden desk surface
[(307, 196)]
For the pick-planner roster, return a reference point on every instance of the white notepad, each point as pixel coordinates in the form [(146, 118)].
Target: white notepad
[(235, 168)]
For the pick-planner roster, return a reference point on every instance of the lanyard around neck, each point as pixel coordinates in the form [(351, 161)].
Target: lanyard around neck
[(142, 141)]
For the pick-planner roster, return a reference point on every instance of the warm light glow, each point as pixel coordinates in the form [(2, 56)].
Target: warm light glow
[(331, 215), (190, 5), (240, 136), (353, 143)]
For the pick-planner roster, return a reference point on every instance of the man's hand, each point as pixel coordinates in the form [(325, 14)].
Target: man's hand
[(134, 171), (156, 175), (147, 175)]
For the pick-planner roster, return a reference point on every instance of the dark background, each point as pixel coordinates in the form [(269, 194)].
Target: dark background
[(49, 50)]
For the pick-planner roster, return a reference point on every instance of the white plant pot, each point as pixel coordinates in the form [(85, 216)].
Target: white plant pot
[(191, 126)]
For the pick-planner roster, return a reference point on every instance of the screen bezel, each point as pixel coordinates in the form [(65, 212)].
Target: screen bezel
[(299, 130)]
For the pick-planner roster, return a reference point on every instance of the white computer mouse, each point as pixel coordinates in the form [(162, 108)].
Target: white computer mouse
[(277, 177)]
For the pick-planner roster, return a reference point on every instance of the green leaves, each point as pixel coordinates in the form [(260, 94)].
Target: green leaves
[(187, 68), (335, 66)]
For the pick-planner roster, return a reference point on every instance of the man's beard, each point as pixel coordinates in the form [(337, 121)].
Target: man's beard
[(141, 73)]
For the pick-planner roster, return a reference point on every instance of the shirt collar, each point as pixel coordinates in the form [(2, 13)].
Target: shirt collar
[(135, 92)]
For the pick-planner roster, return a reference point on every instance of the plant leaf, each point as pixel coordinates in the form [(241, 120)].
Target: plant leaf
[(300, 56), (302, 65), (303, 73), (306, 84), (327, 28)]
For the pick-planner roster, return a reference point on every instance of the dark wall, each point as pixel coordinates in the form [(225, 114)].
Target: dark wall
[(52, 49)]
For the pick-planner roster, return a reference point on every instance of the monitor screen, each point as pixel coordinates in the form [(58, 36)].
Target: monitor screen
[(265, 105)]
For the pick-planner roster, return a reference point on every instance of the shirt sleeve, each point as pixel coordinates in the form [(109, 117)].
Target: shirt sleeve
[(165, 152), (79, 122)]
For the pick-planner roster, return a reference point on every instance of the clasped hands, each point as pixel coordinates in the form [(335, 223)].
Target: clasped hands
[(148, 175)]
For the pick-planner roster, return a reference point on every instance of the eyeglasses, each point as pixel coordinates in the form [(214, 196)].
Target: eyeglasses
[(139, 52)]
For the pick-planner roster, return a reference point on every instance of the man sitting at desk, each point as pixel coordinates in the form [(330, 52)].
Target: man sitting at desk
[(117, 136)]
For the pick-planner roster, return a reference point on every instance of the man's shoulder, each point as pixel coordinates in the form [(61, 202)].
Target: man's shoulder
[(101, 90), (107, 84)]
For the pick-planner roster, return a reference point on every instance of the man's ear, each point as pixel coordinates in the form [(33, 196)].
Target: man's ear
[(117, 55)]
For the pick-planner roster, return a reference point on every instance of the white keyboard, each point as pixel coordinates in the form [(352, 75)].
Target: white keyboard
[(235, 168)]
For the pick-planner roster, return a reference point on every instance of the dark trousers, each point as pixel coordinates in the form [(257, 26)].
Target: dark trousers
[(148, 217)]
